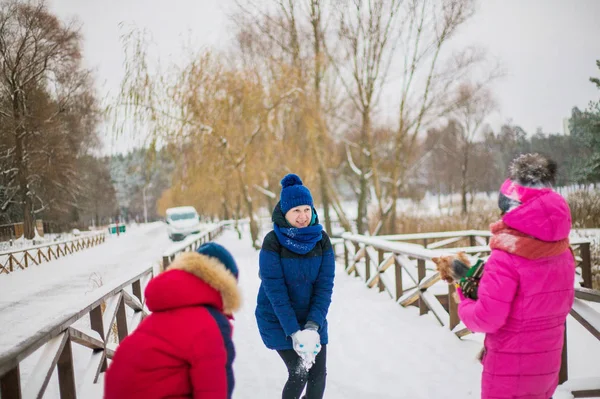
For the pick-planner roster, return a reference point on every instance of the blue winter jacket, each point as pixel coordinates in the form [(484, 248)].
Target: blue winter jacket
[(294, 288)]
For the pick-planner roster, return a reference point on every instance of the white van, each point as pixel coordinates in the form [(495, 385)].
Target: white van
[(182, 221)]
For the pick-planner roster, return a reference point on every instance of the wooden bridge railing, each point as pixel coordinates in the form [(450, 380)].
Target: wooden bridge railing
[(23, 258), (109, 321), (106, 308), (386, 262), (475, 243), (194, 242), (400, 269), (589, 318)]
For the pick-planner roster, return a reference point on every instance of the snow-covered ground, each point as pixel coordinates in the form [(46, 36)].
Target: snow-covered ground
[(41, 294), (378, 350)]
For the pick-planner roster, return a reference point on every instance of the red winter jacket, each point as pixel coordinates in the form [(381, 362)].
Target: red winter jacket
[(184, 348)]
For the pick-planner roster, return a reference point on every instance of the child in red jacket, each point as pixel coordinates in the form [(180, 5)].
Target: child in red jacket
[(184, 348)]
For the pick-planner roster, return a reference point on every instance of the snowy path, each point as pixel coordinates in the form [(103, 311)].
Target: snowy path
[(377, 350), (39, 295)]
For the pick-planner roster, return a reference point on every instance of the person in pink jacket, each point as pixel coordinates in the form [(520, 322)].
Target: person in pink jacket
[(526, 290)]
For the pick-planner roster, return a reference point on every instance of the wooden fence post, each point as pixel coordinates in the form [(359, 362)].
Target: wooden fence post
[(472, 241), (379, 262), (356, 249), (367, 265), (564, 364), (346, 256), (122, 320), (66, 373), (136, 288), (398, 270), (452, 307), (97, 324), (10, 384), (586, 264), (421, 275)]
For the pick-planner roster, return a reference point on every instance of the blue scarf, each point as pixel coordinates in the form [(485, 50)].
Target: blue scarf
[(299, 240)]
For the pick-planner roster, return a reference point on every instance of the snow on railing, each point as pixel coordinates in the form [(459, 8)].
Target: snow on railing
[(400, 269), (406, 273), (476, 244), (589, 318), (23, 258), (108, 321)]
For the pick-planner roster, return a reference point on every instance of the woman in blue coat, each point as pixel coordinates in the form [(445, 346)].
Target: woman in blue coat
[(297, 268)]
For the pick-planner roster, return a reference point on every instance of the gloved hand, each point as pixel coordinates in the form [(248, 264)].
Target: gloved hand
[(307, 344), (311, 325), (470, 283)]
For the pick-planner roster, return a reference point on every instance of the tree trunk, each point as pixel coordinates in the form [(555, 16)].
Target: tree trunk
[(463, 184), (96, 216), (238, 216), (271, 202), (315, 17), (337, 205), (325, 201), (463, 193), (393, 214), (22, 174), (226, 211), (361, 221), (249, 209), (328, 192), (238, 209)]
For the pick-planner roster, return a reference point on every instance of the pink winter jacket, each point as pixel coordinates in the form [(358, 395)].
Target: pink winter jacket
[(523, 304)]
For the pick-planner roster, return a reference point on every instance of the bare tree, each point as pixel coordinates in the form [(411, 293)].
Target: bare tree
[(426, 80), (473, 106), (367, 40), (44, 90), (287, 37), (214, 115)]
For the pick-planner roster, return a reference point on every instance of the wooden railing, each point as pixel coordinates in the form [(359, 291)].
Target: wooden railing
[(475, 242), (35, 255), (109, 322), (589, 318), (105, 309), (386, 262), (385, 265), (194, 242)]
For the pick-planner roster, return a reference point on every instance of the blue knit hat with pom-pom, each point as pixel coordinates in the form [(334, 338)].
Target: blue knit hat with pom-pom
[(293, 193)]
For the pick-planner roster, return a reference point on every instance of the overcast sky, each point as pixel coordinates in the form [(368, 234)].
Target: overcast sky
[(548, 47)]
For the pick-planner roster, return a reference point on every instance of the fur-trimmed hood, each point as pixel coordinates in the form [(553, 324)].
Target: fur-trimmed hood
[(194, 279)]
